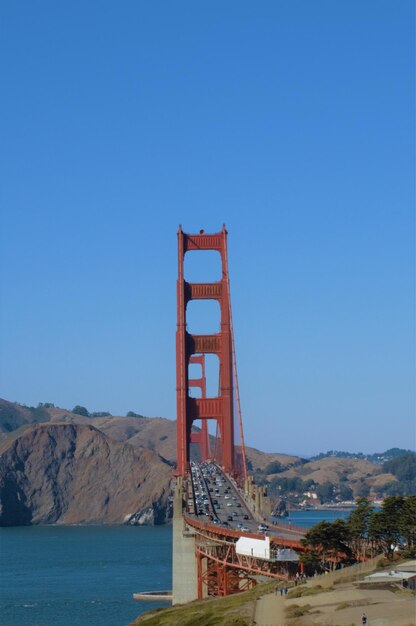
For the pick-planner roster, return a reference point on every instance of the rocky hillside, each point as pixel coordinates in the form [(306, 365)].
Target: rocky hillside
[(75, 474)]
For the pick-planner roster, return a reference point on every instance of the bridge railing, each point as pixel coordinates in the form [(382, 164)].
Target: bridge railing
[(225, 532), (288, 527)]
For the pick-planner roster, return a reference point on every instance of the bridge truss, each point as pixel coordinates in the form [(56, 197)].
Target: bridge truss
[(222, 571)]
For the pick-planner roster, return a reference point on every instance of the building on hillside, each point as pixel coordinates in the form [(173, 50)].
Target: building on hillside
[(406, 579)]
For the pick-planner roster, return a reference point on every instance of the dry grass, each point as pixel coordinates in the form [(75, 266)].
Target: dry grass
[(300, 592), (348, 605), (202, 614), (235, 610), (294, 610)]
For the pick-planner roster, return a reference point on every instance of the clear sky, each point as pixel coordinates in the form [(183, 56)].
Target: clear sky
[(292, 121)]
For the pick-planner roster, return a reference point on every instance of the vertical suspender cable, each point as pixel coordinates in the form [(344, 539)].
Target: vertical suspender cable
[(237, 389), (218, 430)]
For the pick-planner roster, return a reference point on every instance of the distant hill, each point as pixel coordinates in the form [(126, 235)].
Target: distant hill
[(13, 416), (155, 433), (353, 472), (330, 477), (377, 457)]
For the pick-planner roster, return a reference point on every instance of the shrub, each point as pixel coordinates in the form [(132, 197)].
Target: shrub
[(297, 611), (273, 468), (80, 410)]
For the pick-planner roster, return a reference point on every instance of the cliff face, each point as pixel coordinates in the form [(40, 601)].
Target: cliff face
[(74, 474)]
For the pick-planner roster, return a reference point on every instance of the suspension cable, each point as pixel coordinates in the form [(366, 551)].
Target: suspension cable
[(237, 389)]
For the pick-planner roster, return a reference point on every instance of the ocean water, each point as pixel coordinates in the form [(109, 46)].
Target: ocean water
[(80, 575), (306, 519), (86, 575)]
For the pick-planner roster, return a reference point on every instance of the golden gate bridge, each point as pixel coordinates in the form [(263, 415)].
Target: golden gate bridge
[(223, 539)]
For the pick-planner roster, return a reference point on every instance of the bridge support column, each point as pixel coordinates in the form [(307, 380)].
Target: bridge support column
[(265, 507), (185, 575), (202, 576)]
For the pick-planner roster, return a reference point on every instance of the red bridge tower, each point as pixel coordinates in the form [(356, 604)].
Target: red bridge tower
[(187, 346)]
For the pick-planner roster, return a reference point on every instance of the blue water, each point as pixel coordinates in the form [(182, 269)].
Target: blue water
[(306, 519), (86, 575), (73, 576)]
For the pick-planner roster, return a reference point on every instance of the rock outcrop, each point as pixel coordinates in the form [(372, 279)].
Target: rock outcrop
[(75, 474)]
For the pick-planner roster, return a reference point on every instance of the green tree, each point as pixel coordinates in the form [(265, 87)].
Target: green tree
[(363, 490), (273, 468), (325, 492), (345, 492), (328, 539), (407, 521), (80, 410), (358, 523), (311, 561), (403, 467), (385, 527)]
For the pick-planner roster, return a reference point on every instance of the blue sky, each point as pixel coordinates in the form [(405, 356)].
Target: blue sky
[(290, 121)]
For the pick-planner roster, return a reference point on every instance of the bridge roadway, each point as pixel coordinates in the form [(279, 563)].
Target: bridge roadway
[(208, 559), (217, 501)]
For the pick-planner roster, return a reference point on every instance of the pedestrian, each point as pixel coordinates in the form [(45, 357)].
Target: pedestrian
[(281, 591), (286, 590), (364, 619)]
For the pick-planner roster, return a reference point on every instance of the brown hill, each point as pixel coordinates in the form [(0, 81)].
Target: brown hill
[(159, 434), (354, 472), (13, 416), (74, 474), (155, 433), (260, 460)]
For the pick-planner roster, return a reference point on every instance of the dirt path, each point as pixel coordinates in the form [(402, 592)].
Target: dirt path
[(269, 611), (342, 606)]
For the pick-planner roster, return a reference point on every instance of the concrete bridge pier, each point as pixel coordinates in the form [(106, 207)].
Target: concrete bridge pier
[(185, 575)]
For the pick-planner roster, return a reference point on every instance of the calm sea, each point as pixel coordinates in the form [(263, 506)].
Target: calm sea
[(306, 519), (73, 576), (86, 575)]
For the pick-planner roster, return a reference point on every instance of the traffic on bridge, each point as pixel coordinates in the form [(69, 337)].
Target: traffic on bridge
[(216, 498)]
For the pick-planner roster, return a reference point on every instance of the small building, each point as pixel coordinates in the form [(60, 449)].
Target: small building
[(406, 579)]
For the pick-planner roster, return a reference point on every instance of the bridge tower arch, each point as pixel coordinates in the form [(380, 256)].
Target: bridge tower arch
[(201, 437)]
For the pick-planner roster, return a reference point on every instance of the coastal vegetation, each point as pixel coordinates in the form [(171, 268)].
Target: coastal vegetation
[(364, 534)]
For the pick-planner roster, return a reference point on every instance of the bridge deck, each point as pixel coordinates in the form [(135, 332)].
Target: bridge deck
[(216, 504)]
